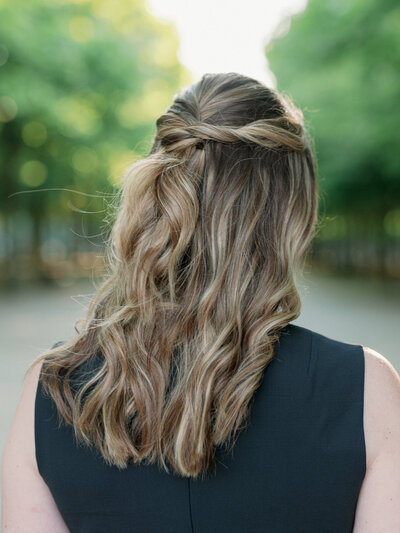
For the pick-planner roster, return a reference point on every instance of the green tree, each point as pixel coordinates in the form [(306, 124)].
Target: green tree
[(81, 83), (340, 62)]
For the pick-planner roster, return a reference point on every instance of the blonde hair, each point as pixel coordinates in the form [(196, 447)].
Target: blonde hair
[(210, 231)]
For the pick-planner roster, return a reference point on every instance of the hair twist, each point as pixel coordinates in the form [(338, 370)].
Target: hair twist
[(274, 133)]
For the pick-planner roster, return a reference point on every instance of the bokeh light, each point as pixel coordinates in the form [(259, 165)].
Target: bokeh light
[(33, 173), (8, 108), (34, 133)]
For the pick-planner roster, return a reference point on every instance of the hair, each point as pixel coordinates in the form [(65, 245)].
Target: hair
[(211, 229)]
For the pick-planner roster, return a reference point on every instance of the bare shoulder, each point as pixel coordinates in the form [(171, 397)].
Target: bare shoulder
[(378, 506), (27, 503), (381, 403), (20, 440)]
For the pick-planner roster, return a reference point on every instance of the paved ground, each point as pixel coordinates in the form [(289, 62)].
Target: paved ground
[(33, 318)]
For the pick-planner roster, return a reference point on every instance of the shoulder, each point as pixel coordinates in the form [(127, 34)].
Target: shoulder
[(20, 442), (379, 499), (27, 503), (355, 368), (326, 355), (381, 405), (318, 341)]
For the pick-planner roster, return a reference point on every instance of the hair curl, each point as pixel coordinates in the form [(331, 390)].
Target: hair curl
[(211, 230)]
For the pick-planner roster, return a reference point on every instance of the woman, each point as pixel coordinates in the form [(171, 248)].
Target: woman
[(189, 401)]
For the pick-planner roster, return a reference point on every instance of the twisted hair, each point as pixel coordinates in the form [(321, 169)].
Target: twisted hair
[(274, 133), (211, 230)]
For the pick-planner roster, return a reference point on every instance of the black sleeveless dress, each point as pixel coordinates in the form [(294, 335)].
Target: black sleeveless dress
[(296, 468)]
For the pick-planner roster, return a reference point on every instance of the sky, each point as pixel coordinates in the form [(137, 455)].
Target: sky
[(227, 35)]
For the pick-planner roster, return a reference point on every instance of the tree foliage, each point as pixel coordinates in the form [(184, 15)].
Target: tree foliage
[(81, 83), (340, 62)]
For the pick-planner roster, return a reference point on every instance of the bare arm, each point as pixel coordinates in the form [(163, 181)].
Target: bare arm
[(378, 507), (27, 504)]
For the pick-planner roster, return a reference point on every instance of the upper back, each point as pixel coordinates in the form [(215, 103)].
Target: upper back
[(297, 467)]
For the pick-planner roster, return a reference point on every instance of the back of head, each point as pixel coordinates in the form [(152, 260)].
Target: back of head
[(211, 229), (235, 160)]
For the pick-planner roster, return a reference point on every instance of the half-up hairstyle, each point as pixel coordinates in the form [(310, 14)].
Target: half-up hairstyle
[(210, 231)]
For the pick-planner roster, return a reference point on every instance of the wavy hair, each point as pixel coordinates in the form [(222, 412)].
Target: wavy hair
[(211, 229)]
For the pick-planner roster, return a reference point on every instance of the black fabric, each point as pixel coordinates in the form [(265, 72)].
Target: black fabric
[(296, 468)]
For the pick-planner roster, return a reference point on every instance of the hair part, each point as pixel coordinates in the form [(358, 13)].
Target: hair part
[(211, 229)]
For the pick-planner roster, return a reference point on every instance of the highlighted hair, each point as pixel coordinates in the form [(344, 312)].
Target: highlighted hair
[(211, 230)]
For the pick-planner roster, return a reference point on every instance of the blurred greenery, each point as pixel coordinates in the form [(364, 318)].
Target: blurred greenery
[(81, 83), (339, 62)]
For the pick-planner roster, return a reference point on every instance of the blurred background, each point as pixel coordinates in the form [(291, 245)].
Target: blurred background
[(81, 85)]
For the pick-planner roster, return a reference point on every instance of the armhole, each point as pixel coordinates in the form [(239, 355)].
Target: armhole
[(39, 412), (362, 393), (354, 360), (36, 424)]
